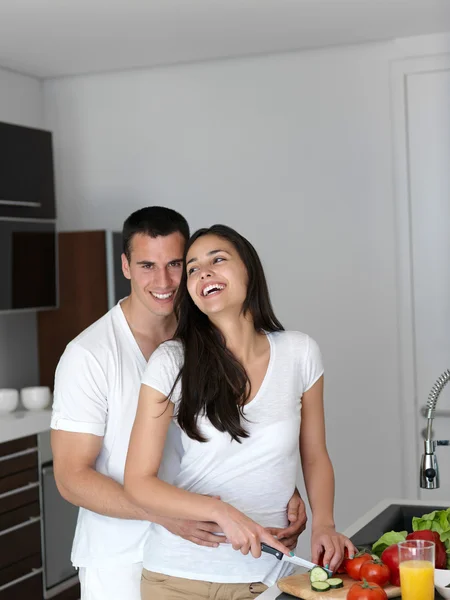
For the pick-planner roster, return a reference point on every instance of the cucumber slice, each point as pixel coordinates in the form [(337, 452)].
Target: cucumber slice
[(320, 586), (335, 583), (317, 574)]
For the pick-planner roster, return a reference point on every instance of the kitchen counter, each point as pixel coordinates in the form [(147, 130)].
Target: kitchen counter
[(22, 423), (274, 592)]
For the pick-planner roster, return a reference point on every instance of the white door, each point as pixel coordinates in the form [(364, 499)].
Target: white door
[(428, 146)]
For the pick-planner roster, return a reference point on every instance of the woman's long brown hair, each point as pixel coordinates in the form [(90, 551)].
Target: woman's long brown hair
[(213, 381)]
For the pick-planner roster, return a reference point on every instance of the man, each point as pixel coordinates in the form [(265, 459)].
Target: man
[(95, 400)]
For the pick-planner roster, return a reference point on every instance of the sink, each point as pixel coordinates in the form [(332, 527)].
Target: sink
[(395, 517)]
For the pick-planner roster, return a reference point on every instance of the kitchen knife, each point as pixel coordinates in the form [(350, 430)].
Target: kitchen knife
[(296, 560)]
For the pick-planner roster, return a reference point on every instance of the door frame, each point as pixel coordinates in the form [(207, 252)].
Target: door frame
[(409, 402)]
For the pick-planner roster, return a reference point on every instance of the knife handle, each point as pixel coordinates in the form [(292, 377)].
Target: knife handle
[(265, 548)]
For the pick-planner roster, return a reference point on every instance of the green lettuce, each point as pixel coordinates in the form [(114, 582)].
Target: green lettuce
[(387, 539), (439, 521)]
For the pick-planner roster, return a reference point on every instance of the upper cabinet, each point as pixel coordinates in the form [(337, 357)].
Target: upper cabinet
[(27, 188)]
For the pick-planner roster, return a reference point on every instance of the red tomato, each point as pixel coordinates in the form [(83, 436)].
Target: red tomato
[(375, 571), (366, 591), (341, 567), (390, 558), (353, 566)]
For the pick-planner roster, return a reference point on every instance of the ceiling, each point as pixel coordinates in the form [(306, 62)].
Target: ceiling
[(51, 38)]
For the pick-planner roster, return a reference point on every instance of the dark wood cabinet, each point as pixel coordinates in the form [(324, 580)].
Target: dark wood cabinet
[(9, 502), (21, 514), (27, 188), (19, 445), (20, 569), (20, 541), (28, 250), (22, 462), (83, 297), (20, 521), (27, 587)]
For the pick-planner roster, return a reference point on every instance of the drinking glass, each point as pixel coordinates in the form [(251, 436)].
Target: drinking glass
[(416, 560)]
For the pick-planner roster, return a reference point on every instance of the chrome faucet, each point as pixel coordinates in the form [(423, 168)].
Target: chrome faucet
[(429, 469)]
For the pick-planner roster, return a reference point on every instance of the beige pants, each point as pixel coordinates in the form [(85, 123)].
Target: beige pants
[(155, 586)]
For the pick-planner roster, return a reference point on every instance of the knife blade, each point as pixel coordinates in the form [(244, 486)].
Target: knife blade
[(296, 560)]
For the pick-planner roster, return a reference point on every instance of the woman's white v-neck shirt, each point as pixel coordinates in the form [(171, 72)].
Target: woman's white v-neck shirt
[(257, 476)]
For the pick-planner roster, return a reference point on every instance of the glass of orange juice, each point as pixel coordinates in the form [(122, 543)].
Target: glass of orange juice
[(416, 560)]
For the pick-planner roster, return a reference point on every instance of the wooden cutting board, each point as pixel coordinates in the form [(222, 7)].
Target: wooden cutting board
[(300, 587)]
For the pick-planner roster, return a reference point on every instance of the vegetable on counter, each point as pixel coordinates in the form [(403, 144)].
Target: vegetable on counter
[(438, 521), (440, 556), (317, 574), (375, 571), (390, 554), (388, 539), (320, 582), (320, 586), (341, 568), (391, 559), (353, 565), (366, 591), (335, 583)]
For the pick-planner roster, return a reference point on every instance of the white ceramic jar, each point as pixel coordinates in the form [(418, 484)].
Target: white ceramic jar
[(9, 400), (35, 398)]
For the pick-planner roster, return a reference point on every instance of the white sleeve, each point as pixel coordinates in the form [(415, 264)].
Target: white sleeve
[(313, 367), (163, 368), (80, 395)]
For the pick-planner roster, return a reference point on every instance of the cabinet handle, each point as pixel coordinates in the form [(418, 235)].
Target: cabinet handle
[(47, 471), (19, 203), (30, 521), (24, 488), (17, 454), (32, 573)]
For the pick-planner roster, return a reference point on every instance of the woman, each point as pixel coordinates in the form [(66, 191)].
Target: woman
[(246, 395)]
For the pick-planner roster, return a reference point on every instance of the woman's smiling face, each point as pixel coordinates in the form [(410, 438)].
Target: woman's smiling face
[(216, 275)]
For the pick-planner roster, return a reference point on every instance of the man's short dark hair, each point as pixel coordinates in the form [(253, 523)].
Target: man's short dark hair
[(153, 221)]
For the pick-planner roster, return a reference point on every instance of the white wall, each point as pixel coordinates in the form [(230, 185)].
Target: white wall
[(294, 151), (21, 103)]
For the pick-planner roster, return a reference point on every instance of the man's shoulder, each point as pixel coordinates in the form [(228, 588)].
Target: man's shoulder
[(97, 340)]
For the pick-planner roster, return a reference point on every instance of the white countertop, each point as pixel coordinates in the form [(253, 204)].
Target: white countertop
[(22, 423), (273, 592)]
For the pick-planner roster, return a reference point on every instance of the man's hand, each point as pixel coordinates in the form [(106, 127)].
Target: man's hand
[(297, 518), (200, 533)]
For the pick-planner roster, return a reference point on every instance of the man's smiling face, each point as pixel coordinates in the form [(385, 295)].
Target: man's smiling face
[(154, 270)]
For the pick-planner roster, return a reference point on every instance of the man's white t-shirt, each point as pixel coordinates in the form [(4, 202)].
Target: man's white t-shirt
[(96, 391), (257, 476)]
